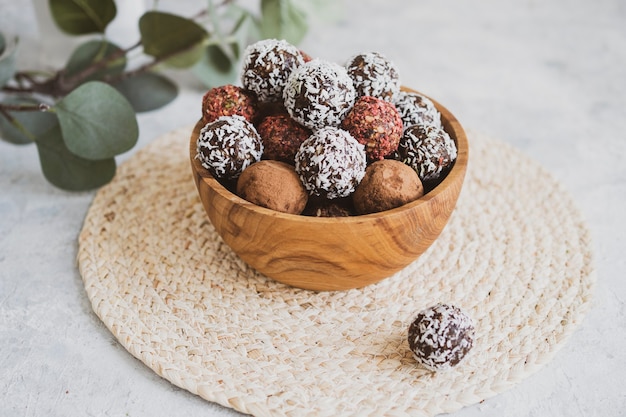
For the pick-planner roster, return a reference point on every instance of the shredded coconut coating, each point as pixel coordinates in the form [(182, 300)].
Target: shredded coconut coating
[(319, 94), (228, 145), (416, 109), (374, 75), (266, 66), (228, 100), (441, 336), (429, 150), (331, 163)]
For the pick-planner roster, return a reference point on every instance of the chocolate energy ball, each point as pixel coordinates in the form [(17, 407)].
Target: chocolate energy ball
[(228, 145), (319, 94), (331, 163), (273, 184), (429, 151), (282, 137), (374, 75), (417, 109), (229, 100), (387, 184), (376, 124), (266, 66), (441, 336), (322, 207)]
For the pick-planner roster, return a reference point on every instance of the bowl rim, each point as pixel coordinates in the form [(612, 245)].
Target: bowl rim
[(452, 127)]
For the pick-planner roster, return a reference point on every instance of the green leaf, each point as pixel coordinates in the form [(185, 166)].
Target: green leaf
[(147, 91), (3, 43), (92, 52), (26, 125), (216, 67), (80, 17), (282, 19), (7, 60), (177, 40), (97, 121), (68, 171)]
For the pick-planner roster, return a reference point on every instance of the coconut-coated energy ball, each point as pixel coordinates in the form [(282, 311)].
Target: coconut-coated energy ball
[(374, 75), (441, 336), (319, 94), (228, 100), (282, 137), (430, 151), (266, 66), (416, 109), (331, 163), (387, 184), (274, 185), (228, 145), (376, 124)]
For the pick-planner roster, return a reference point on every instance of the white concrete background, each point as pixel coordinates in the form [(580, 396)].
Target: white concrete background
[(548, 77)]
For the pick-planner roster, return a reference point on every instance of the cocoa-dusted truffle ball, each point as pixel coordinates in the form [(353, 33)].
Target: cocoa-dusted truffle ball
[(387, 184), (266, 66), (441, 336), (429, 151), (376, 124), (273, 184), (416, 109), (319, 94), (374, 75), (229, 100), (228, 145), (331, 163), (282, 136)]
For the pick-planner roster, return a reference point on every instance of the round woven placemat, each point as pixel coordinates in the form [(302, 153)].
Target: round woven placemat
[(515, 255)]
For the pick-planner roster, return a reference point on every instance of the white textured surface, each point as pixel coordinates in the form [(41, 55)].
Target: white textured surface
[(548, 77)]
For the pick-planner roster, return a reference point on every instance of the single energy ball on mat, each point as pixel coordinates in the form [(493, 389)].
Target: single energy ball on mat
[(374, 75), (273, 184), (416, 109), (387, 184), (331, 163), (228, 145), (229, 100), (319, 94), (441, 336), (376, 124), (266, 66), (429, 150), (282, 137)]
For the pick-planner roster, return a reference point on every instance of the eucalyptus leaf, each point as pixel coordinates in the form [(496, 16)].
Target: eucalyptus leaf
[(175, 39), (3, 43), (7, 60), (68, 171), (216, 68), (97, 121), (92, 52), (282, 19), (80, 17), (147, 91), (26, 125)]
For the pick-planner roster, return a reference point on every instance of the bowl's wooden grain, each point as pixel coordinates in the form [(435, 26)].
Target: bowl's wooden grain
[(337, 253)]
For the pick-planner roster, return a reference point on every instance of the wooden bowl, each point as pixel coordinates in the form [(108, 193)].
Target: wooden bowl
[(332, 253)]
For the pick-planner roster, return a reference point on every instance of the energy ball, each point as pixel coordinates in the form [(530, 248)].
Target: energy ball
[(374, 75), (266, 66), (319, 94), (417, 109), (228, 145), (229, 100), (322, 207), (274, 185), (441, 336), (429, 151), (387, 184), (376, 124), (282, 137), (331, 163)]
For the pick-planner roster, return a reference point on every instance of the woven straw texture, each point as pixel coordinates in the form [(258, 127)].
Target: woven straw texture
[(516, 256)]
